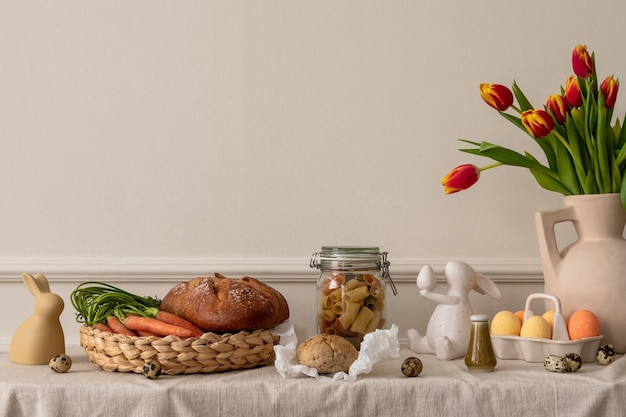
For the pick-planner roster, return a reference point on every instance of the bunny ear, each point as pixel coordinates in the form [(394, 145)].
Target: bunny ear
[(31, 283), (486, 286), (37, 284), (42, 283)]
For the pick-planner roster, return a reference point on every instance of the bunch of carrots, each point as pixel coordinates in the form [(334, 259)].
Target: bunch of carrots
[(114, 310)]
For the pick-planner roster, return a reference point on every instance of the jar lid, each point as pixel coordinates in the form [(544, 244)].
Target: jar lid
[(353, 258), (479, 317), (346, 252), (347, 258)]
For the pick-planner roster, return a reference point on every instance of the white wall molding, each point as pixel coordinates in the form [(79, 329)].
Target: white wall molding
[(267, 269)]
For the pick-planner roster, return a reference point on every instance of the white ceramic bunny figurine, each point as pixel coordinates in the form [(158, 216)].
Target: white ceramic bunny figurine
[(449, 327), (40, 337)]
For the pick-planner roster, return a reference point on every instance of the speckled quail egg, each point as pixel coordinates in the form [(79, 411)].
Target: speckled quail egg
[(152, 369), (573, 361), (60, 363), (555, 363), (412, 366), (605, 355)]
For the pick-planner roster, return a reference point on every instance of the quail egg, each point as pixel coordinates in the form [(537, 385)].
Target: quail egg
[(412, 366), (60, 363), (555, 363), (152, 369), (605, 355), (573, 361)]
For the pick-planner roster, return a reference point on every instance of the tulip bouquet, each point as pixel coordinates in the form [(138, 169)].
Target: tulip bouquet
[(585, 153)]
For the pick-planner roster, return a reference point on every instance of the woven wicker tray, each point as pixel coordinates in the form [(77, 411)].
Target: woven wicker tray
[(208, 353)]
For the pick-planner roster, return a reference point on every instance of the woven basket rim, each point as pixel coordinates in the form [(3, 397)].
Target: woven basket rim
[(208, 353)]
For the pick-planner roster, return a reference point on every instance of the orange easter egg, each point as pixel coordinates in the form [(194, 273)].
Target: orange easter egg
[(583, 323), (520, 315)]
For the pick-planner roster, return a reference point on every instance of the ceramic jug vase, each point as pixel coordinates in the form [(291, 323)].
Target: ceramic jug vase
[(590, 273)]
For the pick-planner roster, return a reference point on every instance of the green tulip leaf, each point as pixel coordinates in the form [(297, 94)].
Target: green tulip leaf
[(576, 145), (620, 133), (477, 144), (578, 119), (523, 102), (549, 183), (604, 170), (548, 146), (580, 161), (620, 158), (616, 178), (565, 168), (515, 120), (508, 157), (590, 185)]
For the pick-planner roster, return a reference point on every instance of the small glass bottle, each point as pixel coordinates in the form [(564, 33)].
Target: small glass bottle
[(480, 356), (351, 290)]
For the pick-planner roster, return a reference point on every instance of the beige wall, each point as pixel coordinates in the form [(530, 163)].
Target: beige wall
[(152, 139)]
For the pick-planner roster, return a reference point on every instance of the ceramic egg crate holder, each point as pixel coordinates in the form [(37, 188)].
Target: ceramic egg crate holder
[(532, 349)]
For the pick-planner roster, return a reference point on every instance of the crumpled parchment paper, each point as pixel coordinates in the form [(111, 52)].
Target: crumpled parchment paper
[(375, 347)]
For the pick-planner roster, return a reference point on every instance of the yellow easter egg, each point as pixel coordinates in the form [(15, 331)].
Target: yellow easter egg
[(505, 323), (549, 316), (536, 326)]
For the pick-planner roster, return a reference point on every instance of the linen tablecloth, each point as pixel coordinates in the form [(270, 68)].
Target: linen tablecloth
[(444, 388)]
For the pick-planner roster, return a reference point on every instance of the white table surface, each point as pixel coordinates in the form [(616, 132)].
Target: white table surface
[(444, 388)]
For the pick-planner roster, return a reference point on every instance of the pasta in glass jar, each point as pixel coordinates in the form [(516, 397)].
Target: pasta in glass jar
[(351, 290)]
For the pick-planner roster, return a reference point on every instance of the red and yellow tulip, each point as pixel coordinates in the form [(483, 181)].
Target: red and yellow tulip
[(582, 62), (537, 122), (558, 106), (572, 92), (584, 149), (609, 89), (497, 96), (460, 178)]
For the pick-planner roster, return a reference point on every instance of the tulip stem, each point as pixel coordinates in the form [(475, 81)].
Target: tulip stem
[(569, 149), (497, 164), (563, 141)]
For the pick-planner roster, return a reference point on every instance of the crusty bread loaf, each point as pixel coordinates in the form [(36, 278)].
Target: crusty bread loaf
[(328, 353), (224, 305)]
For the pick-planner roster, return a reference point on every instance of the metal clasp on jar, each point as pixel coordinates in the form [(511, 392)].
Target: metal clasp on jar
[(315, 261), (385, 269)]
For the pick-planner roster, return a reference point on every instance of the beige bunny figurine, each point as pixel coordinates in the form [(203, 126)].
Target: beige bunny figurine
[(40, 337)]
